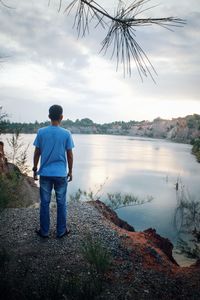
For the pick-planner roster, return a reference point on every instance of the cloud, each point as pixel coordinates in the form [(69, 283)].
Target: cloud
[(47, 64)]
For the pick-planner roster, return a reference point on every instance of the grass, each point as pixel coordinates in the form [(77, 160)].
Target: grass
[(96, 255), (9, 184), (83, 283)]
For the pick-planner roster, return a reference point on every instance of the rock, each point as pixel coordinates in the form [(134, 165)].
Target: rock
[(111, 215), (160, 242)]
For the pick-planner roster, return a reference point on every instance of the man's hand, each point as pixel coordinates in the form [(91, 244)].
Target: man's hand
[(69, 176), (35, 162), (35, 177), (70, 164)]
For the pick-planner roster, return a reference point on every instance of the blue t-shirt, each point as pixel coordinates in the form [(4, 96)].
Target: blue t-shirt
[(53, 142)]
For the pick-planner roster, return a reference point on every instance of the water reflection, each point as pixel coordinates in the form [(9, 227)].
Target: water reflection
[(134, 165)]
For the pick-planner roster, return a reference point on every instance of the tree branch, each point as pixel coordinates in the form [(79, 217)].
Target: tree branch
[(5, 5), (122, 31)]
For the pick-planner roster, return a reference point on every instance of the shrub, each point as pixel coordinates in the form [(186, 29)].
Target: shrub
[(113, 200), (119, 200), (96, 255), (9, 184), (196, 148)]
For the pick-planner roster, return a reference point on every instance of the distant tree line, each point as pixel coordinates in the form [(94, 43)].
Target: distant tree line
[(193, 121), (86, 125)]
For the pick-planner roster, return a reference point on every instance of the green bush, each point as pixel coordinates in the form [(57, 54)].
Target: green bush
[(118, 200), (9, 184), (96, 255), (196, 148), (113, 200)]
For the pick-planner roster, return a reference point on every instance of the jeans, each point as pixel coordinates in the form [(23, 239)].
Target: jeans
[(47, 183)]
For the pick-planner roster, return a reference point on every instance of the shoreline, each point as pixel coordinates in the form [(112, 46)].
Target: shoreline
[(181, 259), (33, 189), (141, 260), (140, 137)]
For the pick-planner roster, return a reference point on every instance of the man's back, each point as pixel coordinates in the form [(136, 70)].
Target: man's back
[(53, 142)]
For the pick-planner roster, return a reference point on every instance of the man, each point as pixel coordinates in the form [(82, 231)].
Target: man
[(53, 144)]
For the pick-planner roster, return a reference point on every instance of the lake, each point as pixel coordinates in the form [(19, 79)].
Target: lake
[(140, 166)]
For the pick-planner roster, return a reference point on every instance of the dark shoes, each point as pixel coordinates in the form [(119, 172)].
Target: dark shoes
[(67, 231), (40, 234), (46, 236)]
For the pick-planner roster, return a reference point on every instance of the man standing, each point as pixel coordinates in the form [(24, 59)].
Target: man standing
[(53, 146)]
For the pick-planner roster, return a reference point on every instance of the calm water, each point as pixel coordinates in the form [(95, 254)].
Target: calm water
[(143, 167)]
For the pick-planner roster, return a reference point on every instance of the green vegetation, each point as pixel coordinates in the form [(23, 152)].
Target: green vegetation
[(84, 126), (113, 200), (119, 200), (193, 121), (11, 179), (84, 286), (187, 223), (96, 255), (88, 196), (191, 251), (9, 185), (196, 148), (17, 156), (3, 116)]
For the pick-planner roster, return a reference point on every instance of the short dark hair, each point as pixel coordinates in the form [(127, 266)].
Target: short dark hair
[(1, 143), (55, 112)]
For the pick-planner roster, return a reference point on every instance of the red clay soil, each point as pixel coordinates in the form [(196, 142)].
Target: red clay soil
[(154, 250)]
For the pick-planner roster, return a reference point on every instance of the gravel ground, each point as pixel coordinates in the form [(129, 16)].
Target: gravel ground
[(33, 262), (33, 257)]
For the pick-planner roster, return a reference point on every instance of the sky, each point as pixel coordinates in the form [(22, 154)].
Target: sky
[(43, 62)]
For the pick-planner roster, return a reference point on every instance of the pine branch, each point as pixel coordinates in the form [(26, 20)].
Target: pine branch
[(121, 31), (121, 35), (5, 5)]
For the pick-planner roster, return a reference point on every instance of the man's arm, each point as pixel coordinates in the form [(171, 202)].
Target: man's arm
[(36, 158), (70, 164)]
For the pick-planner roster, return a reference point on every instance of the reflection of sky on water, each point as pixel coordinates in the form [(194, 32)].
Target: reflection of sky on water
[(134, 165), (142, 167)]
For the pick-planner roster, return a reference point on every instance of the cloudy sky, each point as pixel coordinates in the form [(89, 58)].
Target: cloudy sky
[(43, 63)]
